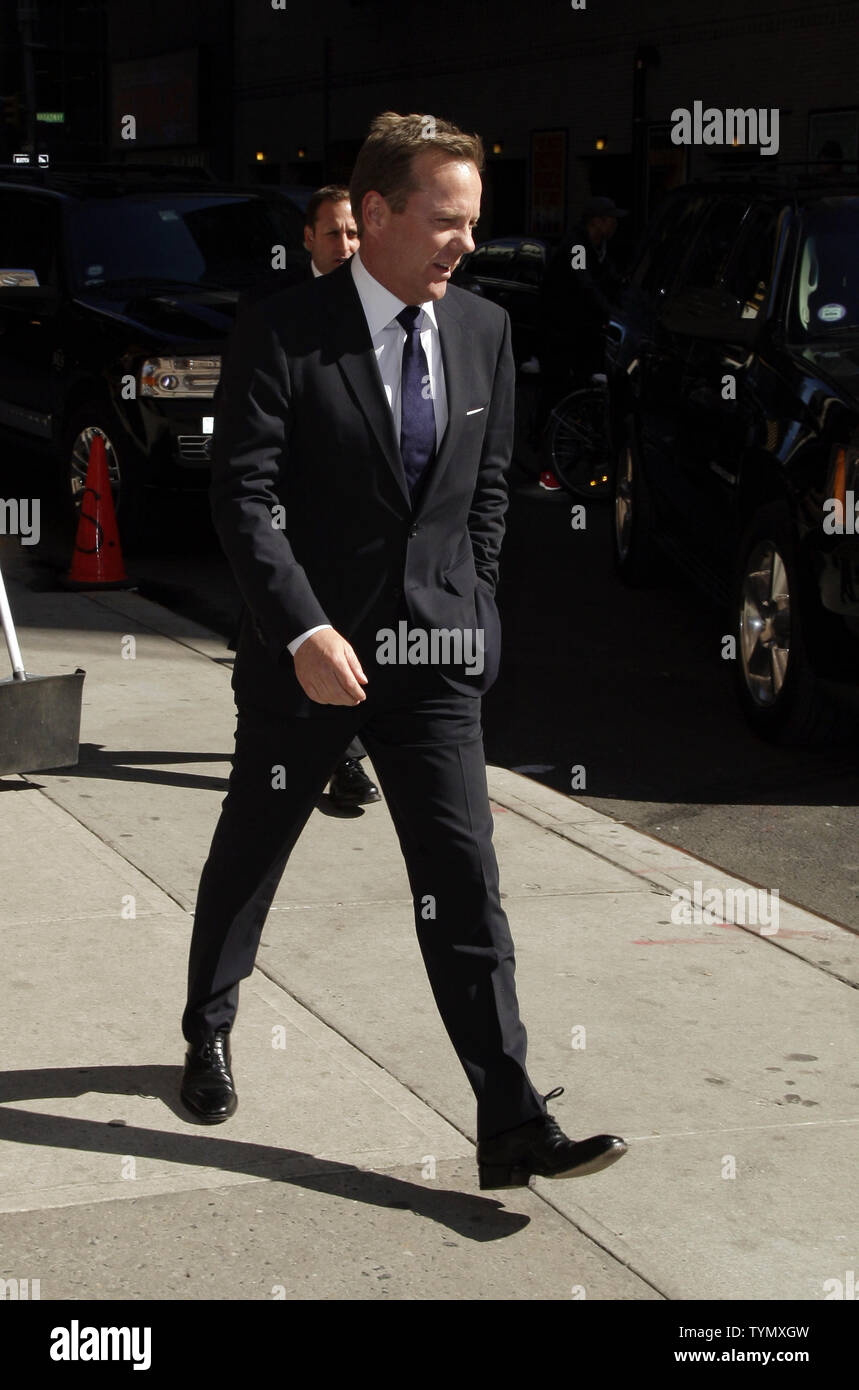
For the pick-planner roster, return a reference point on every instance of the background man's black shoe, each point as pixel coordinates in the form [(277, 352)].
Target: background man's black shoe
[(540, 1148), (208, 1088), (350, 785)]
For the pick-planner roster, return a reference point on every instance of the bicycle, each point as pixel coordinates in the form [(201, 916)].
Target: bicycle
[(577, 441)]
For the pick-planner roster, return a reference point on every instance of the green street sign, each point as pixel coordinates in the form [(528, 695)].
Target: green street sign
[(51, 117)]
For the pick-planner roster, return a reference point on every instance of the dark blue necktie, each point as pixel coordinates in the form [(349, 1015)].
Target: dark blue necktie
[(417, 428)]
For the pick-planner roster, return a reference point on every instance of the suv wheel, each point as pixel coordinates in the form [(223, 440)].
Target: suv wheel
[(123, 469), (775, 683), (632, 529)]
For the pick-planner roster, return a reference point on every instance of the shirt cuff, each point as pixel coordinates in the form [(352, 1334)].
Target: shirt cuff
[(292, 647)]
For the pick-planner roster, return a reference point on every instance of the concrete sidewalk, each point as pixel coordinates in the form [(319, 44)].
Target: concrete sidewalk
[(722, 1054)]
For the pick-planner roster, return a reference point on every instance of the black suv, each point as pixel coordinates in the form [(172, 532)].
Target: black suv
[(509, 271), (118, 288), (733, 365)]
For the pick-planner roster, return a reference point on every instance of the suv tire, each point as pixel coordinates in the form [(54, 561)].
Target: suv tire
[(124, 469), (635, 556), (774, 680)]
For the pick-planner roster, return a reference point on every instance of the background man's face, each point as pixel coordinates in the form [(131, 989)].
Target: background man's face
[(606, 227), (333, 238), (414, 252)]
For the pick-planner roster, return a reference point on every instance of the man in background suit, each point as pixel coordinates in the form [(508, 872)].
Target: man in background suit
[(330, 234), (331, 237), (358, 488)]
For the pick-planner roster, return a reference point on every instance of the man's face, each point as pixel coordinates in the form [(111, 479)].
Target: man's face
[(414, 252), (333, 238), (606, 227)]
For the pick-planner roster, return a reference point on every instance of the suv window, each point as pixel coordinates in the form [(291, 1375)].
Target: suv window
[(492, 260), (749, 270), (667, 245), (706, 262), (825, 298), (529, 264), (29, 226), (181, 236)]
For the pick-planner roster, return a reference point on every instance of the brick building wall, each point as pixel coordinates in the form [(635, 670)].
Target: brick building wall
[(503, 68)]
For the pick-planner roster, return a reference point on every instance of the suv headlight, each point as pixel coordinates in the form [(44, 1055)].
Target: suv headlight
[(841, 505), (180, 376)]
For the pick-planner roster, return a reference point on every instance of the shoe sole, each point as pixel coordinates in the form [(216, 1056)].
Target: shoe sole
[(209, 1119), (505, 1175), (593, 1165)]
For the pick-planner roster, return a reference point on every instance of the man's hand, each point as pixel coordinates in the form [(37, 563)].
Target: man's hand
[(328, 669)]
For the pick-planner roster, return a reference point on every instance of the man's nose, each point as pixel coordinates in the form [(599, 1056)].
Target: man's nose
[(463, 243)]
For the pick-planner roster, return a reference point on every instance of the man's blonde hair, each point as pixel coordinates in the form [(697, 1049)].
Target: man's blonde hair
[(385, 160)]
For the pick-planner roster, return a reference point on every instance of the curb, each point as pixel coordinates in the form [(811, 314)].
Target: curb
[(663, 866)]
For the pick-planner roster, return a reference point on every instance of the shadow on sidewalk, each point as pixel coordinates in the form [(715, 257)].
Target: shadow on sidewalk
[(122, 765), (118, 765), (477, 1218)]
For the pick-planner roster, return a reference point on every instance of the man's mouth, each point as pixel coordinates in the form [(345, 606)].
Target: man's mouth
[(444, 267)]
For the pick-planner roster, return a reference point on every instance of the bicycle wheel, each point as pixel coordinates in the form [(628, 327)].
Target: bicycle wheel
[(577, 443)]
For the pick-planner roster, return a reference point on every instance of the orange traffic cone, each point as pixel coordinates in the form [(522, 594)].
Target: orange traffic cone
[(97, 560)]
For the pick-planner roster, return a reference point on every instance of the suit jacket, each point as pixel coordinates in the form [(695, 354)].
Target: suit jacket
[(309, 496), (297, 272)]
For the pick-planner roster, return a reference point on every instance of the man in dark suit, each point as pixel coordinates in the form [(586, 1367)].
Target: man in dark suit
[(331, 237), (330, 232), (363, 435)]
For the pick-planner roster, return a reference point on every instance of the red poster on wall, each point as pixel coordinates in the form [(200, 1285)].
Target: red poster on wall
[(548, 182), (161, 94)]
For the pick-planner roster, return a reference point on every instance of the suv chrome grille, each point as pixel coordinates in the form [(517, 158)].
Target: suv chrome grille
[(194, 448)]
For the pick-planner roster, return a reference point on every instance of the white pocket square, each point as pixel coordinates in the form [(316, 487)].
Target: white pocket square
[(476, 411)]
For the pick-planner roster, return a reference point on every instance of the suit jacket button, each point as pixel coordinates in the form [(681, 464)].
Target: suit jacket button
[(413, 532)]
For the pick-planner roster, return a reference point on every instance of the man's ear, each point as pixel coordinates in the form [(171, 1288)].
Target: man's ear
[(308, 238), (374, 210)]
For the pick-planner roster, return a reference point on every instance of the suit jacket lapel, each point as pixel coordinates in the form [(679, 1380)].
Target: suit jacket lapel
[(351, 347)]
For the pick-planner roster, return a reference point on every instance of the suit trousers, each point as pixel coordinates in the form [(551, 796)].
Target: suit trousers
[(425, 741)]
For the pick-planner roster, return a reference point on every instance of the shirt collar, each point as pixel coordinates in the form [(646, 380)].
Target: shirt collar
[(380, 306), (317, 274)]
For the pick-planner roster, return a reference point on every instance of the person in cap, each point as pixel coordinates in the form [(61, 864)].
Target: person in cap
[(578, 289)]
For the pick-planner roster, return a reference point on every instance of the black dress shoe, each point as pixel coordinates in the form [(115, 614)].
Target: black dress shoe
[(208, 1088), (541, 1148), (350, 785)]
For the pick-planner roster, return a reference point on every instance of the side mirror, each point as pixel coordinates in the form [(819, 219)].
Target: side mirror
[(25, 295), (26, 279)]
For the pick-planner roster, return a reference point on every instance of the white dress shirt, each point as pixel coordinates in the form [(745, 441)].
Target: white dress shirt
[(388, 338)]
